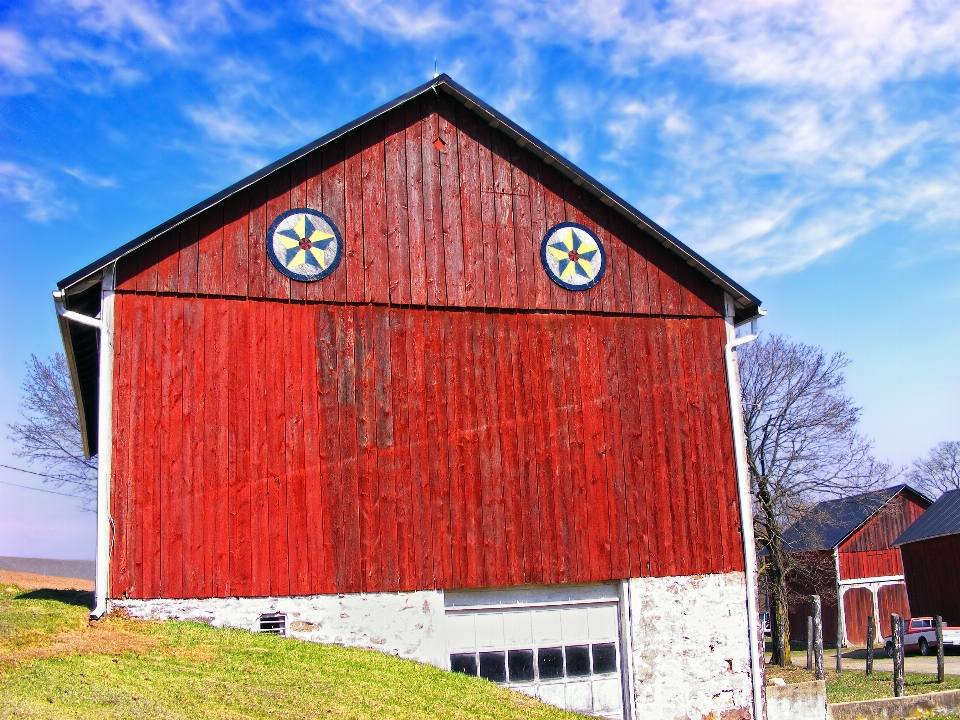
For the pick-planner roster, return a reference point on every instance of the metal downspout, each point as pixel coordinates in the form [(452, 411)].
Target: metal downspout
[(746, 504), (104, 326)]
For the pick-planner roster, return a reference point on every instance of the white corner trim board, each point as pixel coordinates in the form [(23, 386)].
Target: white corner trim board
[(104, 325)]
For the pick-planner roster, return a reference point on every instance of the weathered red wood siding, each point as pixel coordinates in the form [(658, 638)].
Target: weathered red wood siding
[(331, 448), (892, 599), (933, 584), (458, 227), (867, 553), (434, 414)]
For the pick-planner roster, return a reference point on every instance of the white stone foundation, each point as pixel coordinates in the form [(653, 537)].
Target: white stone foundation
[(409, 625), (690, 647)]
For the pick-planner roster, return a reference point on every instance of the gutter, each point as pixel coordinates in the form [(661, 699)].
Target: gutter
[(745, 497), (104, 325)]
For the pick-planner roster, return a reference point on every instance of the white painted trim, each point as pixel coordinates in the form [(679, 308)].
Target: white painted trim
[(626, 652), (104, 325), (746, 504), (451, 609), (841, 611), (878, 580)]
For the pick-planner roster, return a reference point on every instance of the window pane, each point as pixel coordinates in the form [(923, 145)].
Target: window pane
[(578, 660), (521, 665), (465, 663), (493, 667), (604, 658), (550, 663)]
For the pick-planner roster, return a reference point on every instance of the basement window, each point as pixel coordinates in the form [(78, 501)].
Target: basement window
[(273, 623)]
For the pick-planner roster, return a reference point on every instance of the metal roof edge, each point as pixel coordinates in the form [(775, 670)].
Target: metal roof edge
[(744, 299)]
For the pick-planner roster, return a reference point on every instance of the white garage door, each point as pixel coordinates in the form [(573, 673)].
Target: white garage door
[(565, 652)]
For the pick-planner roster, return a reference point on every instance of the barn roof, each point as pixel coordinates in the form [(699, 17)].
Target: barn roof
[(941, 518), (827, 524), (747, 305)]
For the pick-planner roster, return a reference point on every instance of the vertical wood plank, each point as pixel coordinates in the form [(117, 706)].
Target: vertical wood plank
[(554, 212), (415, 197), (257, 225), (334, 286), (574, 203), (474, 240), (417, 352), (127, 272), (216, 417), (139, 487), (275, 284), (170, 428), (210, 261), (236, 234), (543, 285), (333, 520), (526, 244), (432, 202), (499, 549), (449, 159), (296, 515), (375, 252), (147, 260), (509, 470), (461, 530), (152, 547), (353, 250), (408, 500), (437, 449), (260, 482), (275, 459), (168, 261), (388, 559), (239, 477), (348, 561), (620, 264), (398, 241), (314, 493), (488, 217), (613, 433), (194, 400), (524, 408), (503, 196), (367, 450), (579, 496)]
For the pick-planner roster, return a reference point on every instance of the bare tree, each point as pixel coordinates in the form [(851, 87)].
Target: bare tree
[(939, 471), (802, 447), (49, 436)]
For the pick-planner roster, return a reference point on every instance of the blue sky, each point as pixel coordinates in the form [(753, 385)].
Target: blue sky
[(810, 149)]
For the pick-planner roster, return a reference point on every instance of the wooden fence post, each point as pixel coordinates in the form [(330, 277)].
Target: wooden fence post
[(871, 631), (840, 629), (817, 639), (809, 642), (896, 632), (939, 649)]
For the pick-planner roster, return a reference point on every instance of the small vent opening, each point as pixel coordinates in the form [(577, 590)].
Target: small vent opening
[(439, 144), (273, 623)]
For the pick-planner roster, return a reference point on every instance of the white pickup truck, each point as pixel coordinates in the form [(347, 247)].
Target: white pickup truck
[(921, 634)]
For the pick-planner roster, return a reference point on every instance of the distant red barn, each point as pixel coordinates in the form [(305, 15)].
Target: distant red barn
[(424, 386), (930, 548), (848, 545)]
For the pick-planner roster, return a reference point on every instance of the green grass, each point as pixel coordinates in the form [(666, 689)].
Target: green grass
[(851, 685), (53, 664)]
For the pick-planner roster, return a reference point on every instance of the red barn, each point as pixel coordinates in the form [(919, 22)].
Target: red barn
[(847, 545), (424, 386), (930, 548)]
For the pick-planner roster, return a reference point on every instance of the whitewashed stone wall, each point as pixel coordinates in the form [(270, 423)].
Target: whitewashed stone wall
[(409, 625), (690, 647)]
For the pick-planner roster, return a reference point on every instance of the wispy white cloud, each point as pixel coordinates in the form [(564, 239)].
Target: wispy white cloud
[(90, 179), (397, 21), (29, 188)]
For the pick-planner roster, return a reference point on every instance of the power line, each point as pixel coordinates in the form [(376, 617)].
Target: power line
[(48, 477), (27, 487)]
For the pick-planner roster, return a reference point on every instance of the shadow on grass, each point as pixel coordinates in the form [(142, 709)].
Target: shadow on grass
[(81, 598)]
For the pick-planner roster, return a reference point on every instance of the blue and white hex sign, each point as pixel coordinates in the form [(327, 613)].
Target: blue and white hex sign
[(573, 256), (304, 244)]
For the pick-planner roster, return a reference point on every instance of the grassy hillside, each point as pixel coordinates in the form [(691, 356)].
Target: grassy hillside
[(54, 664)]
